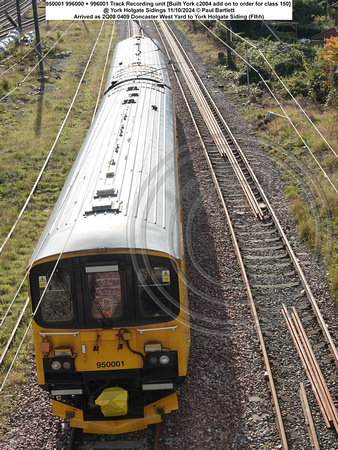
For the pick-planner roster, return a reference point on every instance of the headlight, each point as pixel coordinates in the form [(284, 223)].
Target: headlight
[(66, 365), (161, 360), (164, 359), (59, 365), (56, 365), (153, 360)]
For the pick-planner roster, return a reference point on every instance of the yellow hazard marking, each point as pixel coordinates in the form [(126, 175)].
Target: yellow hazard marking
[(42, 282), (165, 276)]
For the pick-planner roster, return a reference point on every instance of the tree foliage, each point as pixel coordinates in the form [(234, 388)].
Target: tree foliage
[(330, 49), (307, 10), (306, 70), (328, 64), (313, 16)]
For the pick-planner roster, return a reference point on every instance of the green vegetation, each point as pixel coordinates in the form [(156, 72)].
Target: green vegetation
[(312, 16), (313, 81), (31, 117)]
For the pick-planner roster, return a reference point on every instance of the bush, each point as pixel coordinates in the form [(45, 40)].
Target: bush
[(307, 10), (5, 85), (284, 63), (319, 89), (306, 30), (299, 84)]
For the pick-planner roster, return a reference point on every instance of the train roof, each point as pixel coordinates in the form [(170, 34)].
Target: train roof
[(122, 190), (137, 58)]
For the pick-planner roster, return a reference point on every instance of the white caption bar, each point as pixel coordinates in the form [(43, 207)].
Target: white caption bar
[(168, 10)]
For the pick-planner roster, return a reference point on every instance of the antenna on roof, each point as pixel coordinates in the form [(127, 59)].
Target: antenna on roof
[(154, 42)]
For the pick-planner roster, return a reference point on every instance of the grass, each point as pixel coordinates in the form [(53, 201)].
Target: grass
[(314, 203), (30, 120)]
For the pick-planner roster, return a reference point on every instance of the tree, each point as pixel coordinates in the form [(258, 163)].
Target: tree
[(330, 49)]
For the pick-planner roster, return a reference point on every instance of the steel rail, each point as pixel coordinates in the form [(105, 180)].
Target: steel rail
[(25, 6), (27, 24), (326, 399), (303, 359), (75, 434), (311, 298), (312, 369), (279, 419), (308, 417), (156, 436), (211, 121), (221, 118), (296, 265)]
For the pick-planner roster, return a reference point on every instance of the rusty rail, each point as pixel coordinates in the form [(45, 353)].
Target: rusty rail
[(156, 436), (310, 296), (75, 434), (311, 367), (308, 417), (203, 101), (279, 419)]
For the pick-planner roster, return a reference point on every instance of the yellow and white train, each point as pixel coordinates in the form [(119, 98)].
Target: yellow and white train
[(107, 279)]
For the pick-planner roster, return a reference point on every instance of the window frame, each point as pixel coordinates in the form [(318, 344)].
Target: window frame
[(165, 317), (128, 265), (37, 271), (111, 268)]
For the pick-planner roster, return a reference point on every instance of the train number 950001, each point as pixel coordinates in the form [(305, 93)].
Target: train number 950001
[(109, 364)]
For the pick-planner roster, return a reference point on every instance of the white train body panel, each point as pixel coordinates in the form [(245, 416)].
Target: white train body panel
[(129, 152)]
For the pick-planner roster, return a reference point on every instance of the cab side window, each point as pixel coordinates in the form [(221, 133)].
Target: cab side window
[(57, 304), (154, 292)]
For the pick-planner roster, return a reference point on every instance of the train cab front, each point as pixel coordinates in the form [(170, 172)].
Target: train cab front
[(111, 339), (125, 392)]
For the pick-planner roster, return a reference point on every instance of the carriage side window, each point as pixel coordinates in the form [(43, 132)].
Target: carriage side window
[(104, 285), (155, 293), (57, 304)]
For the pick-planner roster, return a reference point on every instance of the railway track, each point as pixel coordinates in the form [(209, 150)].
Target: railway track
[(10, 7), (76, 442), (270, 269)]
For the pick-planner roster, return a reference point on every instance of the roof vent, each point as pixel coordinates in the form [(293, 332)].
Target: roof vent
[(106, 191), (104, 205)]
